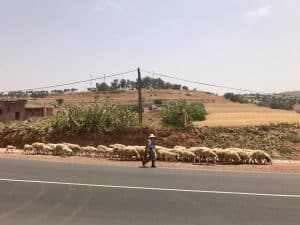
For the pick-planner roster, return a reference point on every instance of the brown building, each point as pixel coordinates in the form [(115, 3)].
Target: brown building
[(21, 110)]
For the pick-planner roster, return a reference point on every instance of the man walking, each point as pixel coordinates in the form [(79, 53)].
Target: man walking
[(149, 151)]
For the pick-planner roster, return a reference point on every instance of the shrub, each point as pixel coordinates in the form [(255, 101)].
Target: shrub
[(60, 101), (285, 150), (180, 114), (157, 101), (235, 98), (294, 139), (97, 118), (196, 112), (188, 94), (102, 86)]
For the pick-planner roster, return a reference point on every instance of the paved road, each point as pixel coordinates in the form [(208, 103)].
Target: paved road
[(36, 192)]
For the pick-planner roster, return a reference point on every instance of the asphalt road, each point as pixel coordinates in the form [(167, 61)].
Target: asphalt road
[(36, 192)]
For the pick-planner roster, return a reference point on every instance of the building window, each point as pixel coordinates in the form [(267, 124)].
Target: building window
[(8, 109), (0, 111)]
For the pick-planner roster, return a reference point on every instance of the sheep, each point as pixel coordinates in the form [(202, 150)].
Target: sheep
[(232, 156), (203, 154), (178, 151), (101, 150), (188, 156), (117, 150), (160, 153), (245, 158), (140, 150), (38, 147), (89, 151), (10, 148), (129, 153), (221, 154), (75, 148), (169, 156), (27, 149), (67, 151), (261, 157)]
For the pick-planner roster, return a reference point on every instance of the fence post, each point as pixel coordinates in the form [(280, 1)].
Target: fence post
[(139, 86)]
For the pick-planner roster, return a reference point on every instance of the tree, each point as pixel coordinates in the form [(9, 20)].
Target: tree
[(186, 88), (147, 82), (128, 83), (176, 86), (168, 85), (115, 84), (132, 85), (122, 83), (102, 86)]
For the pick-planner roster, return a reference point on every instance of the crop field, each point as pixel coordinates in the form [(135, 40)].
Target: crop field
[(235, 114)]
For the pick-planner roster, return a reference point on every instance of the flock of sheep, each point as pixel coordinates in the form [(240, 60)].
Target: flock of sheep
[(175, 154)]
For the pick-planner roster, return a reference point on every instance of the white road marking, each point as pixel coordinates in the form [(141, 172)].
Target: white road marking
[(152, 188)]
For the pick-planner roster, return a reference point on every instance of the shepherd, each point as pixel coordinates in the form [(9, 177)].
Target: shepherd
[(149, 151)]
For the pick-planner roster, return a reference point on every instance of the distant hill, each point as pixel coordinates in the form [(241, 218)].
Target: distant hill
[(131, 97), (295, 93)]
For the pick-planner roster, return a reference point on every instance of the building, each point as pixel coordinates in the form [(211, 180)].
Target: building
[(22, 110)]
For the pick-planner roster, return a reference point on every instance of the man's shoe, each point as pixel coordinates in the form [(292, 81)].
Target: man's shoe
[(153, 166)]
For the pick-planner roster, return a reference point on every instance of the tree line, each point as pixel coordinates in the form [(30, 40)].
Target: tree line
[(147, 82), (271, 101)]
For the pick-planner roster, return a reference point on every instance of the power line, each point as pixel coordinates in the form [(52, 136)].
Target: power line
[(76, 82), (197, 82)]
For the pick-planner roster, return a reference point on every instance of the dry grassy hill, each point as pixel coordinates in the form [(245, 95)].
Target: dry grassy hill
[(295, 93), (131, 97)]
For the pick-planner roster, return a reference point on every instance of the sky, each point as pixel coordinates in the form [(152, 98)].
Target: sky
[(248, 44)]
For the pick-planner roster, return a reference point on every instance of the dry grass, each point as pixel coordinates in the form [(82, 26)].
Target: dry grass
[(234, 114), (131, 97)]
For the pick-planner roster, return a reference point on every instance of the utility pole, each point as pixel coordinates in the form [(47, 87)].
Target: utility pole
[(139, 86)]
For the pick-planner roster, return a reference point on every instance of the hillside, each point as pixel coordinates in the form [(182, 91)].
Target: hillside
[(295, 93), (131, 97)]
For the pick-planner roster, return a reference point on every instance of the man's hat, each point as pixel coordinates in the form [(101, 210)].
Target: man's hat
[(151, 136)]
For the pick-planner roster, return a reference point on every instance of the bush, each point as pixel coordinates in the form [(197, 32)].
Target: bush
[(294, 139), (60, 101), (196, 112), (235, 98), (157, 102), (102, 86), (180, 114), (95, 118)]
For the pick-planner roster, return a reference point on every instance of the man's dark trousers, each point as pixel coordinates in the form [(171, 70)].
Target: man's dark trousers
[(149, 155)]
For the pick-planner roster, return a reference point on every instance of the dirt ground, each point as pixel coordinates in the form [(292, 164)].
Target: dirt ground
[(277, 166)]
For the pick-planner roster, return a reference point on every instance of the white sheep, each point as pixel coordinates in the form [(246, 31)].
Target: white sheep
[(129, 153), (203, 154), (76, 149), (89, 150), (10, 148), (38, 147), (261, 157), (67, 151), (232, 156), (188, 156), (28, 149)]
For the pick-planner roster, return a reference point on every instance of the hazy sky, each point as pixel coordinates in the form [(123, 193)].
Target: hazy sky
[(250, 44)]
